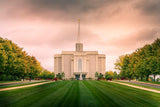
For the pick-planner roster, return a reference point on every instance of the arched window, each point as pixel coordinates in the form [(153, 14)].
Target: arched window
[(80, 65)]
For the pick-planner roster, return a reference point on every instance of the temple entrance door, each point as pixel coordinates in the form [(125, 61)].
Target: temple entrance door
[(83, 77), (77, 77)]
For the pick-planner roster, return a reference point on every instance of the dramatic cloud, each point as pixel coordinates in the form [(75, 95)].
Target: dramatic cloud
[(151, 7), (112, 27)]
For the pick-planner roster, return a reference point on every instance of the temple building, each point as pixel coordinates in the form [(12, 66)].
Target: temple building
[(79, 64)]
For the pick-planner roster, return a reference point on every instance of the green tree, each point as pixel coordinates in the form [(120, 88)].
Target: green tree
[(59, 76), (63, 75), (100, 76), (153, 65), (141, 63), (15, 63), (96, 75), (46, 74), (109, 75), (119, 63), (115, 75)]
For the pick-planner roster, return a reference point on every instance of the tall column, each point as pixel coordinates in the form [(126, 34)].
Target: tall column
[(80, 76)]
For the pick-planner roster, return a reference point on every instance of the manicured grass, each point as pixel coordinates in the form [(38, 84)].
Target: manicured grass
[(140, 85), (16, 85), (151, 82), (8, 81), (79, 94)]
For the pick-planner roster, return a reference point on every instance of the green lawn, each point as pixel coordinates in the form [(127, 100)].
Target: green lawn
[(79, 94), (15, 85), (151, 82), (8, 81), (140, 85)]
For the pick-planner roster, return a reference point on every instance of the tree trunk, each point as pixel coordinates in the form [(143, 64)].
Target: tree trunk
[(129, 80), (14, 77), (141, 78), (154, 77), (23, 78), (147, 77), (7, 75), (30, 79)]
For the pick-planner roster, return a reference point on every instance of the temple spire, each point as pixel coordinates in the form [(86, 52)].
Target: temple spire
[(78, 36), (79, 45)]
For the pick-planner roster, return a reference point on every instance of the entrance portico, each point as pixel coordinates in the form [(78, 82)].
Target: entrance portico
[(80, 75)]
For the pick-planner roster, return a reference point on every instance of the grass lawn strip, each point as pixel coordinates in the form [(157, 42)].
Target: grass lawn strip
[(9, 82), (23, 86), (140, 85), (102, 98), (54, 97), (121, 95), (79, 94), (30, 95), (86, 96), (71, 98), (147, 89), (15, 85), (150, 82), (131, 96), (6, 82)]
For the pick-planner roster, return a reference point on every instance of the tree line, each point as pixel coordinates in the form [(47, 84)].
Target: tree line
[(16, 64), (109, 75), (45, 74), (141, 63)]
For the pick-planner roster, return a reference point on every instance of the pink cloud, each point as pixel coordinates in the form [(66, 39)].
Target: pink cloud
[(44, 28)]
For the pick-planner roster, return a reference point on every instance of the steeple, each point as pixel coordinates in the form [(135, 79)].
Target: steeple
[(78, 36), (79, 45)]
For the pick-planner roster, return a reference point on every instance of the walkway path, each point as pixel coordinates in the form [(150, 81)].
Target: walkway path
[(143, 83), (146, 84), (147, 89), (4, 89), (18, 82)]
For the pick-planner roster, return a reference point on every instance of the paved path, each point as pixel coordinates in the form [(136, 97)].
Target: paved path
[(4, 89), (146, 84), (18, 82), (143, 83), (142, 88)]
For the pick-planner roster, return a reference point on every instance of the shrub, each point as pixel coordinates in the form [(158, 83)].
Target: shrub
[(103, 79), (2, 77), (89, 78), (55, 79), (151, 78), (72, 79), (157, 79), (110, 79)]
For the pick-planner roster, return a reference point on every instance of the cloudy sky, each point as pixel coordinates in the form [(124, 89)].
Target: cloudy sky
[(46, 27)]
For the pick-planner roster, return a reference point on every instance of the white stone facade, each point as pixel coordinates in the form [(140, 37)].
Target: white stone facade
[(79, 64)]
